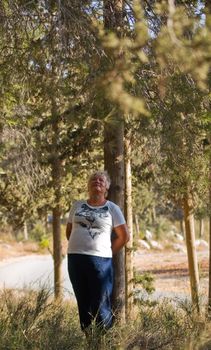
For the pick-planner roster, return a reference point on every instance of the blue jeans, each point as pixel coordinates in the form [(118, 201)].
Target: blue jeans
[(92, 281)]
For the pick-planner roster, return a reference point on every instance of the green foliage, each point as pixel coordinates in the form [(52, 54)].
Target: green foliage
[(146, 280), (162, 227), (44, 72), (63, 76), (175, 93), (44, 242), (37, 232), (23, 186)]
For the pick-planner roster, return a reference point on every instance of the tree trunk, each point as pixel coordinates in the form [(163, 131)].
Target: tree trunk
[(57, 250), (137, 225), (153, 215), (57, 247), (209, 291), (129, 278), (46, 220), (201, 227), (208, 9), (25, 231), (182, 227), (191, 250), (114, 163), (57, 255)]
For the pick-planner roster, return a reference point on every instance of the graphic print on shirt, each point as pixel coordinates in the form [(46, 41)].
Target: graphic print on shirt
[(91, 218)]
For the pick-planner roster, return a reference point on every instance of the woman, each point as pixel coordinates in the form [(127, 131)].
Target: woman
[(90, 251)]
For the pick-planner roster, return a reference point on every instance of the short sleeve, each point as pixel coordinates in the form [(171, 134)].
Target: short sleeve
[(118, 217)]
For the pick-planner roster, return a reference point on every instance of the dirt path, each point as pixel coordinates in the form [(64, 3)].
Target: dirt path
[(170, 270), (17, 249)]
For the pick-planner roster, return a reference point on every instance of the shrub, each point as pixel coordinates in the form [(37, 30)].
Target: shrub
[(166, 325), (38, 232), (34, 321)]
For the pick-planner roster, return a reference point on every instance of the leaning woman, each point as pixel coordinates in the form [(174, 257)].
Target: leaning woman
[(90, 251)]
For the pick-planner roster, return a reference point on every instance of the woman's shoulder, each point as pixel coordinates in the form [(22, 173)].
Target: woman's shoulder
[(113, 206), (116, 213)]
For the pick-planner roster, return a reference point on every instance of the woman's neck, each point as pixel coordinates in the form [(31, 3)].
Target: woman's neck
[(96, 201)]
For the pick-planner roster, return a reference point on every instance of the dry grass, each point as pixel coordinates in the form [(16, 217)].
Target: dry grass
[(34, 321)]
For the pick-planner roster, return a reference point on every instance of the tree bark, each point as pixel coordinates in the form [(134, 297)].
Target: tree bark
[(201, 227), (25, 231), (209, 288), (208, 9), (57, 252), (182, 227), (153, 215), (137, 227), (191, 250), (114, 163), (209, 291), (129, 278), (46, 220), (56, 212)]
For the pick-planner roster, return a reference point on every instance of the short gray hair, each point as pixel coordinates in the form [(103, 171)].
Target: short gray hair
[(103, 173)]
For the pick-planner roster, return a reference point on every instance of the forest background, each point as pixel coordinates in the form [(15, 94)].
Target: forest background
[(116, 84)]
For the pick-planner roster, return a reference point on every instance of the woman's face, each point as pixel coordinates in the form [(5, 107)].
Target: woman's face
[(97, 185)]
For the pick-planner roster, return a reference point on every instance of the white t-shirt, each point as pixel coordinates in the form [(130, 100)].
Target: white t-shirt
[(92, 228)]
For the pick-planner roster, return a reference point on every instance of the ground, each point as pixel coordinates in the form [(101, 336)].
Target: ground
[(169, 268), (11, 249)]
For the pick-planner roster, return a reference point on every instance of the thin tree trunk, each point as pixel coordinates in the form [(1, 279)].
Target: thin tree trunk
[(191, 250), (25, 231), (153, 215), (129, 278), (137, 225), (57, 247), (182, 227), (46, 220), (57, 256), (201, 228), (209, 291), (57, 250), (208, 8), (114, 163)]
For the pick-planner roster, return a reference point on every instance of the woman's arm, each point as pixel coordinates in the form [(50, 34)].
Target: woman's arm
[(121, 237), (68, 230)]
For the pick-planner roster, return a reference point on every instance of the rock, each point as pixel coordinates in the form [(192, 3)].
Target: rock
[(156, 245), (148, 235), (143, 244), (201, 243), (6, 246), (179, 247), (179, 237)]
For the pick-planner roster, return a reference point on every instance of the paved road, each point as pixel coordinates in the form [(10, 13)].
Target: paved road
[(32, 272), (37, 270)]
